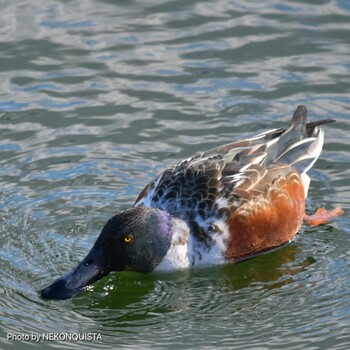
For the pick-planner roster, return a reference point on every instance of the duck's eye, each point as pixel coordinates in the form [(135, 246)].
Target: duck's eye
[(129, 239)]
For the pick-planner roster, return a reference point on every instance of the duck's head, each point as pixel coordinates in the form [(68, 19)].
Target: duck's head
[(137, 239)]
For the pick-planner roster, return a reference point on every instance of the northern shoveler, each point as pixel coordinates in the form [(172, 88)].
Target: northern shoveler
[(224, 205)]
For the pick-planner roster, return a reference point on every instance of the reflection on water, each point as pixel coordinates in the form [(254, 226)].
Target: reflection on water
[(123, 302), (98, 97), (122, 291)]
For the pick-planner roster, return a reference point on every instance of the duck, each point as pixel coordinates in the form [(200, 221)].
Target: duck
[(224, 205)]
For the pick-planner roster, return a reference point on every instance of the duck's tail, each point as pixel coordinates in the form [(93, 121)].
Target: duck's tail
[(300, 144)]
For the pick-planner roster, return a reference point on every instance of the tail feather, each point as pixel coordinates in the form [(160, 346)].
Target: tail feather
[(298, 124), (295, 132), (310, 127), (300, 144), (297, 150)]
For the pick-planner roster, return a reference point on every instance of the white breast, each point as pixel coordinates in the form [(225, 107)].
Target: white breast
[(185, 251)]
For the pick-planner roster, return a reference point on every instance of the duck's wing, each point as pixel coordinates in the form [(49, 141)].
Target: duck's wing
[(200, 187)]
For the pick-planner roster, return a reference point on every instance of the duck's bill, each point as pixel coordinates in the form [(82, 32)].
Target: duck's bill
[(91, 269)]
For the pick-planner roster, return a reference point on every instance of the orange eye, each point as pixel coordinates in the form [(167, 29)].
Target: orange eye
[(128, 239)]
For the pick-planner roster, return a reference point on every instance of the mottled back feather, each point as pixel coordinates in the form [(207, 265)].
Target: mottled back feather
[(202, 188)]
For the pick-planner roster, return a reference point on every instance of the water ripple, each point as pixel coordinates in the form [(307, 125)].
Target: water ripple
[(98, 97)]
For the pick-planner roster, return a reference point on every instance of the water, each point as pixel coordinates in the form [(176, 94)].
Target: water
[(98, 97)]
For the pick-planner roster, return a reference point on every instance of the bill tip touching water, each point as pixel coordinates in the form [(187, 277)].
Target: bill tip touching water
[(224, 205)]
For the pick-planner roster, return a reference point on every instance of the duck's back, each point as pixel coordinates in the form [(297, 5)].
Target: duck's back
[(247, 196)]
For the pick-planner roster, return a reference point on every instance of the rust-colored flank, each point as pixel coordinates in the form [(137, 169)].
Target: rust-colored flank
[(268, 220)]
